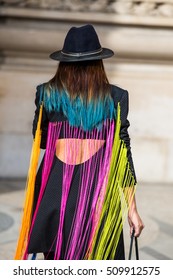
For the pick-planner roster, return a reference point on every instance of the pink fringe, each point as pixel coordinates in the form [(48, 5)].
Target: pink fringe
[(85, 219), (53, 134)]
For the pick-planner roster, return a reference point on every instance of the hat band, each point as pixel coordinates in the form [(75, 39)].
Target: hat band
[(82, 54)]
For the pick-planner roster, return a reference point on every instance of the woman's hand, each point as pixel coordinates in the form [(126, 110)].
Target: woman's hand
[(135, 222)]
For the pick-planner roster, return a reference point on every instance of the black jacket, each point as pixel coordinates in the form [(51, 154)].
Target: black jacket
[(118, 94)]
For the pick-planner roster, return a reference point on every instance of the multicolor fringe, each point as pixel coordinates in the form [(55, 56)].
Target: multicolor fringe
[(120, 190), (106, 189)]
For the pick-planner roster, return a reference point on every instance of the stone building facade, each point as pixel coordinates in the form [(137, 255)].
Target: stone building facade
[(141, 35)]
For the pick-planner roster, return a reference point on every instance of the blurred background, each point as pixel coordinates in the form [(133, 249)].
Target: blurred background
[(141, 35)]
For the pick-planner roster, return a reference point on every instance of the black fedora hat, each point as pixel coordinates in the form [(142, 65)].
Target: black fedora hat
[(81, 43)]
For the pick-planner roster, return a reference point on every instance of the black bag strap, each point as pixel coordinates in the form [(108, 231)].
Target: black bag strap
[(136, 246)]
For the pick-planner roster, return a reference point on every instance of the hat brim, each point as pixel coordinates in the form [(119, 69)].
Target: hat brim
[(58, 55)]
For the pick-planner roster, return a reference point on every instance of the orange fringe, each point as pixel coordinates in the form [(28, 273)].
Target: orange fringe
[(29, 191)]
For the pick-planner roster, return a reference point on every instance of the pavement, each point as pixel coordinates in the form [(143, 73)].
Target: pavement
[(155, 206)]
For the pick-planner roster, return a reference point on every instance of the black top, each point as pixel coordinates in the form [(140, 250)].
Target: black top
[(118, 94)]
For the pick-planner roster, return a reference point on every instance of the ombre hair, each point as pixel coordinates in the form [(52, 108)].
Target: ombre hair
[(84, 79), (82, 92)]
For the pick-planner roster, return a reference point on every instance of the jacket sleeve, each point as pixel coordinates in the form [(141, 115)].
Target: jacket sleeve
[(44, 122), (124, 135)]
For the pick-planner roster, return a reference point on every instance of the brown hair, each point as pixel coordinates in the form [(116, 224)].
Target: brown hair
[(86, 79)]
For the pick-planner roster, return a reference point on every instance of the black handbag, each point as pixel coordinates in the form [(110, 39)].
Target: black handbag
[(131, 246)]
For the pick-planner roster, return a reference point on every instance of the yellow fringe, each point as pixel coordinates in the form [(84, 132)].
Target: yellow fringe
[(29, 191), (119, 194)]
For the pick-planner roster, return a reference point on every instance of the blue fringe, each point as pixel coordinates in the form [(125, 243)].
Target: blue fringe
[(78, 114)]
